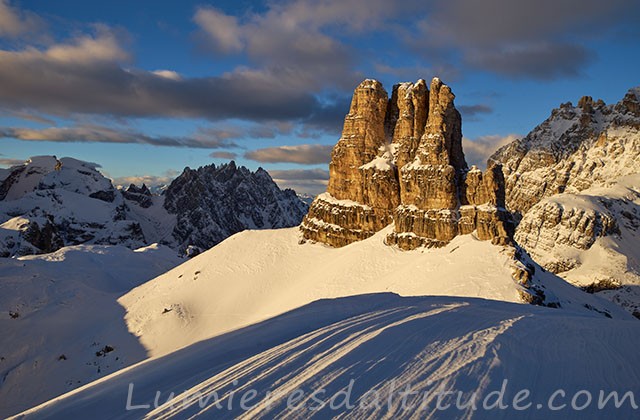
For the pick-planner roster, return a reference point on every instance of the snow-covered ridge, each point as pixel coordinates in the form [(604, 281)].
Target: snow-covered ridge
[(378, 344), (48, 203), (222, 289), (577, 147)]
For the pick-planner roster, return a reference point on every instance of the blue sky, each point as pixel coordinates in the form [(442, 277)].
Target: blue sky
[(145, 88)]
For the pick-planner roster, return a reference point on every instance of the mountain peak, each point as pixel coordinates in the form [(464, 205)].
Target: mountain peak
[(48, 203), (630, 104), (400, 160), (213, 203)]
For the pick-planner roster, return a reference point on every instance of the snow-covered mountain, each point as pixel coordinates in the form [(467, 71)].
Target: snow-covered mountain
[(577, 147), (212, 203), (265, 311), (47, 203), (279, 321), (575, 183)]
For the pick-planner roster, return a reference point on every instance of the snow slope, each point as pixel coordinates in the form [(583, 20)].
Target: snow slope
[(58, 310), (251, 277), (365, 351), (255, 275)]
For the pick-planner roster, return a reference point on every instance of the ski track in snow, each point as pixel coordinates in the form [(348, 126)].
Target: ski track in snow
[(255, 276), (382, 342)]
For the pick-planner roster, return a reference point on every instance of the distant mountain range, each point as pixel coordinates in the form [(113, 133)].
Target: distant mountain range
[(49, 203)]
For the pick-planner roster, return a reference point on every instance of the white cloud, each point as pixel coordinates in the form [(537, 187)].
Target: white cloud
[(478, 150), (14, 22), (148, 180), (168, 74), (223, 30), (84, 50)]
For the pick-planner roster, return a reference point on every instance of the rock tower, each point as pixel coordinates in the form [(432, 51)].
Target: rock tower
[(400, 160)]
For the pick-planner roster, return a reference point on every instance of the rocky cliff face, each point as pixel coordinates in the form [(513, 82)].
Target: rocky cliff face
[(141, 195), (212, 203), (576, 148), (363, 188), (47, 204), (590, 239), (563, 223), (400, 160), (573, 183)]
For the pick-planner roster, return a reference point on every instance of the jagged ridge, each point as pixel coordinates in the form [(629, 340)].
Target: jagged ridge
[(573, 185), (212, 203), (576, 148), (47, 204)]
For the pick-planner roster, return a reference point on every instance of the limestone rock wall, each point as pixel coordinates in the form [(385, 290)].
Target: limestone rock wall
[(576, 148), (362, 135), (557, 228), (400, 159)]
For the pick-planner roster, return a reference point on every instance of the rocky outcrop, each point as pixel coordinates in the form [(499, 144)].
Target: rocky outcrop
[(407, 118), (45, 238), (577, 147), (363, 186), (213, 202), (400, 160), (555, 230), (363, 134), (479, 207), (341, 222), (141, 195)]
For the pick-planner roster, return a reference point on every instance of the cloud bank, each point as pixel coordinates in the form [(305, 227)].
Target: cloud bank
[(308, 181), (305, 154), (205, 139), (478, 150)]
